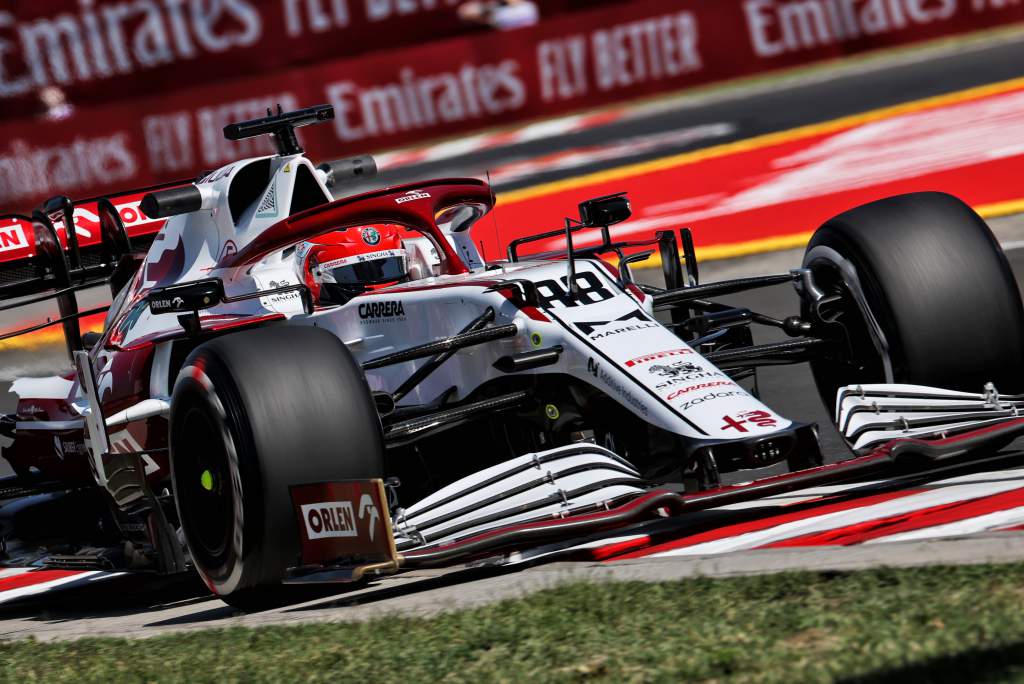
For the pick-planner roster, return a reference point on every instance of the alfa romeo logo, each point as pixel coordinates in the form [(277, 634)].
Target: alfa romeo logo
[(371, 236)]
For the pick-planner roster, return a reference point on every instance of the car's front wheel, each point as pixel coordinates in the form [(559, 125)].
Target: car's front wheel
[(253, 413), (922, 293)]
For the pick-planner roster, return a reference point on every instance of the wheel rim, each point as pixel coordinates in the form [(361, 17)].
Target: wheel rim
[(204, 487)]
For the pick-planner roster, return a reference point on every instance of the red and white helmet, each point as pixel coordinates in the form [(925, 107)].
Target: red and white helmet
[(339, 265)]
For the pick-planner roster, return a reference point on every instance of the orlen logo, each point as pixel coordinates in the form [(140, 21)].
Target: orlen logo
[(654, 357), (330, 519), (411, 196), (12, 237)]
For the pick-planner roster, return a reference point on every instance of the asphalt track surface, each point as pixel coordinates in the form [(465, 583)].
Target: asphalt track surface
[(139, 609), (823, 95)]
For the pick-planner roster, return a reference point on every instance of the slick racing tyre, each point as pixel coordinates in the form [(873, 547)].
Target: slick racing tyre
[(925, 296), (253, 413)]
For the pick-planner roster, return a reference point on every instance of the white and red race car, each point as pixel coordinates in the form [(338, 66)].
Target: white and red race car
[(233, 419)]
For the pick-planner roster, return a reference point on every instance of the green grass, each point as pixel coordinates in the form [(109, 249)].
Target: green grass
[(934, 624)]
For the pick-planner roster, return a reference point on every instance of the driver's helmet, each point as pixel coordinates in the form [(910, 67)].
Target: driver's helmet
[(339, 265)]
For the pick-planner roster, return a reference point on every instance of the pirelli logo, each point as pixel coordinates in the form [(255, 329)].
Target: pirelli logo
[(657, 356)]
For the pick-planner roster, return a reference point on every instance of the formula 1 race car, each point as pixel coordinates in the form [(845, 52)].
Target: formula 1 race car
[(270, 414)]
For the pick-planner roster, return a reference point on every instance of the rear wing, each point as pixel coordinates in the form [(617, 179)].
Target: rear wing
[(40, 260), (17, 247)]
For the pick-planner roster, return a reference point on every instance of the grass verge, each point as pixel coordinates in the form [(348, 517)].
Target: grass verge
[(951, 624)]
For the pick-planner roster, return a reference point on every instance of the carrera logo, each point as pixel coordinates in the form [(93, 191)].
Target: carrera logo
[(412, 196), (378, 310), (12, 237), (703, 385), (329, 520), (656, 357)]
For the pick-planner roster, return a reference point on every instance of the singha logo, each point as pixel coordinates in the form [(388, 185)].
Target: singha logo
[(675, 370)]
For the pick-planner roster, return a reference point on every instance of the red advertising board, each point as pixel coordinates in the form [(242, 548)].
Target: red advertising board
[(449, 87), (95, 48)]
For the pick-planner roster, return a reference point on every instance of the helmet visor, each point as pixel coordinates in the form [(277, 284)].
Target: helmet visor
[(368, 269)]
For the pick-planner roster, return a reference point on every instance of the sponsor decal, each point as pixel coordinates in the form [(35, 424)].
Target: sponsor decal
[(217, 175), (12, 237), (674, 370), (621, 390), (593, 367), (361, 258), (588, 328), (657, 357), (281, 297), (689, 377), (159, 306), (681, 373), (131, 215), (704, 385), (411, 196), (381, 311), (343, 523), (759, 418), (711, 396), (368, 508), (371, 236), (589, 290), (72, 448), (329, 520)]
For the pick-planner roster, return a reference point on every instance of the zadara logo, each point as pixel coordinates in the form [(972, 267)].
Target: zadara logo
[(374, 310), (329, 520), (657, 356), (412, 196)]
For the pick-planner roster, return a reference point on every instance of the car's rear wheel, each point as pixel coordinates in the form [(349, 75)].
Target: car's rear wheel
[(926, 296), (253, 413)]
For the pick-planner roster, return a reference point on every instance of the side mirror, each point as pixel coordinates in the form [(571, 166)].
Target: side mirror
[(605, 211), (186, 297)]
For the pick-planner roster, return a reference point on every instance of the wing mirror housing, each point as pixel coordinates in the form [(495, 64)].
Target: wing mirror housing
[(186, 297), (605, 211)]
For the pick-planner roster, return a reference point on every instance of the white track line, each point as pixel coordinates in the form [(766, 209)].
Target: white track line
[(975, 525), (13, 572), (939, 493)]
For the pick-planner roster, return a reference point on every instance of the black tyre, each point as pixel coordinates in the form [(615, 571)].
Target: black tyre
[(253, 413), (928, 297)]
